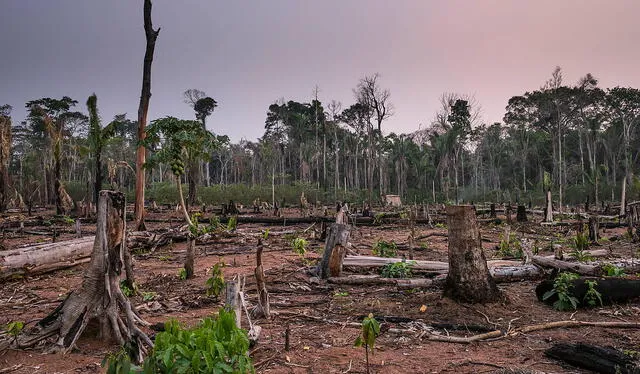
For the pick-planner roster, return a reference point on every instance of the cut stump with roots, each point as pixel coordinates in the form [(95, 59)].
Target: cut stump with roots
[(99, 298)]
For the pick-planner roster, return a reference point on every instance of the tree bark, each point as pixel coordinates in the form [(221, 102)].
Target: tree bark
[(468, 279), (594, 358), (334, 251), (5, 157), (521, 215), (594, 229), (264, 308), (100, 296), (151, 36), (548, 212)]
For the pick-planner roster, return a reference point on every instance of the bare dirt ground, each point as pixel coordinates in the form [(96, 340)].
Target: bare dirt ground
[(322, 318)]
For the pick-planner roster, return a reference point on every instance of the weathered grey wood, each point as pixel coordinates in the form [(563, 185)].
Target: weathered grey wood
[(233, 302), (38, 259)]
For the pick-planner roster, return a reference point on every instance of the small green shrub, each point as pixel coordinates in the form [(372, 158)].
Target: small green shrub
[(581, 245), (377, 219), (215, 284), (15, 328), (400, 269), (562, 287), (611, 270), (214, 346), (232, 224), (383, 248), (128, 292), (440, 225), (592, 297), (510, 247), (367, 339), (182, 274), (299, 246)]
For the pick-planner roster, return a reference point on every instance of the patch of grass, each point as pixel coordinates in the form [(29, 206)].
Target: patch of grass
[(440, 225)]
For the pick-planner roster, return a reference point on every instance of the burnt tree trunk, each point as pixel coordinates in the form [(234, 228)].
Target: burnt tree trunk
[(334, 251), (594, 229), (595, 358), (521, 215), (633, 220), (468, 279), (492, 210), (151, 36), (99, 297)]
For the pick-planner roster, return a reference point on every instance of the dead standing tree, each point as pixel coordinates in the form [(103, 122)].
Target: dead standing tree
[(5, 157), (100, 296), (151, 36), (468, 279)]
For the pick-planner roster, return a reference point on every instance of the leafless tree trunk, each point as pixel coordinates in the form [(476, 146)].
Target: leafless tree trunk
[(151, 36), (5, 157), (468, 279)]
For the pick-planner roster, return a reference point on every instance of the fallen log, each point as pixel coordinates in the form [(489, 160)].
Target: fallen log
[(42, 258), (575, 267), (595, 358), (402, 283), (612, 290)]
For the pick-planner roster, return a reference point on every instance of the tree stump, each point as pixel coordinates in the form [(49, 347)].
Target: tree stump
[(100, 296), (468, 279), (334, 251), (263, 308), (594, 229), (189, 257), (232, 301), (521, 215), (548, 210), (507, 213), (492, 210)]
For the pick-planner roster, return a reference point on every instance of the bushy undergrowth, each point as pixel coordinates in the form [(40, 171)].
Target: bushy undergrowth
[(213, 346)]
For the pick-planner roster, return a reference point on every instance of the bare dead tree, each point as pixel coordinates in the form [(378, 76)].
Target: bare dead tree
[(151, 36)]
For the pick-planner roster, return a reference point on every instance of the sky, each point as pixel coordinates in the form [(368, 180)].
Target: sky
[(248, 54)]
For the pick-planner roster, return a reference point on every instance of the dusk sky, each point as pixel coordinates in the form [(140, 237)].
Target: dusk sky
[(248, 54)]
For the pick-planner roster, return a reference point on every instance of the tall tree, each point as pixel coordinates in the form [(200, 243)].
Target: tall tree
[(98, 137), (48, 118), (5, 156), (151, 36)]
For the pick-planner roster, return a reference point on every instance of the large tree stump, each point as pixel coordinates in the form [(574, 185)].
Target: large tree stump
[(334, 251), (468, 279), (99, 297)]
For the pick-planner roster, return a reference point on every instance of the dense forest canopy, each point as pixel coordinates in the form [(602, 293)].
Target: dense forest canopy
[(584, 136)]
